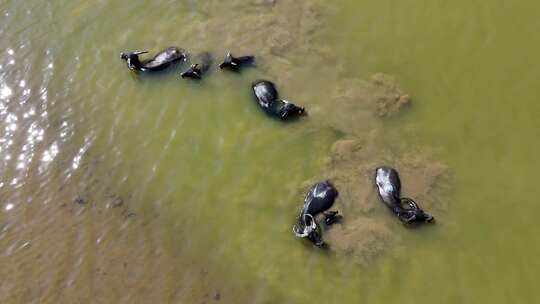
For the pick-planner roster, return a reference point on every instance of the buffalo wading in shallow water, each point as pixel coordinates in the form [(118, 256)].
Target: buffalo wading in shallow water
[(236, 63), (389, 188), (196, 70), (319, 199), (268, 99), (160, 61)]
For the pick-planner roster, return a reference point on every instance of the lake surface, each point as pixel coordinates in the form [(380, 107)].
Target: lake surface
[(119, 187)]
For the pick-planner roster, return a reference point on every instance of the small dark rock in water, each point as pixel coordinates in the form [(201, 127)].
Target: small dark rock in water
[(79, 200), (129, 214), (117, 201)]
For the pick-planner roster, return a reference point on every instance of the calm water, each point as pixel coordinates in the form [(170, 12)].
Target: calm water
[(118, 188)]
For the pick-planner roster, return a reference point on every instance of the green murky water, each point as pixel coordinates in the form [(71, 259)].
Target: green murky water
[(119, 188)]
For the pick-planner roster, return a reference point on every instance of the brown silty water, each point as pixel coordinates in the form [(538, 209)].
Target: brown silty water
[(92, 209), (365, 231)]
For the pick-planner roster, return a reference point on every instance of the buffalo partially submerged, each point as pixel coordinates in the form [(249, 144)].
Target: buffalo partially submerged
[(235, 63), (318, 200), (389, 188), (196, 70), (160, 61), (268, 99)]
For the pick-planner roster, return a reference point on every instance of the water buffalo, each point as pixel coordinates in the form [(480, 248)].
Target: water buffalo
[(268, 99), (389, 188), (160, 61), (235, 63), (318, 200), (198, 69)]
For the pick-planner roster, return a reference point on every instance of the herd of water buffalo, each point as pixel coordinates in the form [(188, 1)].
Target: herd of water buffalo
[(321, 197)]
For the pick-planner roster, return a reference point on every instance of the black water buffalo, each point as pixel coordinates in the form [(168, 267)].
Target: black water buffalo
[(389, 188), (160, 61)]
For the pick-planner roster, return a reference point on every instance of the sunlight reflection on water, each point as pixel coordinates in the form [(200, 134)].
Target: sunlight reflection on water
[(5, 92)]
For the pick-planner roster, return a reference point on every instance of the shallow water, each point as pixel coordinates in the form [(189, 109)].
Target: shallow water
[(134, 188)]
